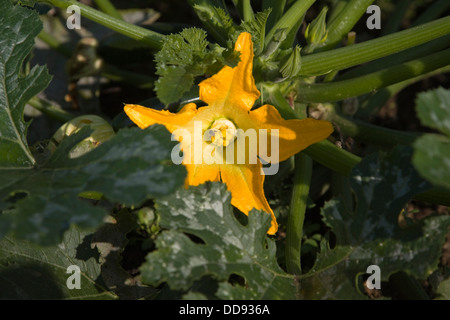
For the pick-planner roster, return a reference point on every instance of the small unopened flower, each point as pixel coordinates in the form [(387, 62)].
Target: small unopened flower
[(317, 31)]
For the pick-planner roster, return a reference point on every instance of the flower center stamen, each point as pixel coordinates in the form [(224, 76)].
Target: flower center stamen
[(222, 132)]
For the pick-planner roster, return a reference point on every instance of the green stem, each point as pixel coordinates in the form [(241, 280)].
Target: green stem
[(138, 80), (151, 38), (336, 10), (346, 57), (108, 71), (344, 22), (291, 18), (50, 110), (341, 161), (433, 11), (248, 11), (395, 20), (279, 100), (294, 231), (211, 19), (277, 7), (54, 44), (370, 106), (107, 7), (329, 155), (323, 152), (398, 58), (367, 132), (339, 90)]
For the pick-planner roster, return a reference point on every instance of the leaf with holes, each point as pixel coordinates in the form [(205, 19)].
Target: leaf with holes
[(223, 247), (368, 232), (31, 272)]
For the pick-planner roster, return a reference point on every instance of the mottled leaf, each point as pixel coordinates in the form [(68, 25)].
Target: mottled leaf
[(432, 158), (368, 232), (433, 109), (382, 185), (31, 272), (223, 247), (128, 168)]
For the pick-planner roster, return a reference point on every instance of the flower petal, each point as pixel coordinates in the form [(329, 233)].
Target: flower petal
[(245, 182), (200, 173), (233, 87), (144, 117), (293, 135)]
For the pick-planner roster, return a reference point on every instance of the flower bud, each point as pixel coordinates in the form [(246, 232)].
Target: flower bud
[(278, 38), (317, 32), (291, 66)]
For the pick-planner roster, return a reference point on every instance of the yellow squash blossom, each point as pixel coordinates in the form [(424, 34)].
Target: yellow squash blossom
[(230, 95)]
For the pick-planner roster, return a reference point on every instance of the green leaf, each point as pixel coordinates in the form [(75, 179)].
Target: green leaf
[(128, 168), (20, 26), (431, 158), (389, 177), (433, 109), (368, 232), (111, 241), (183, 48), (443, 291), (316, 32), (257, 28), (223, 247), (214, 17), (432, 151), (183, 57), (291, 65), (174, 83), (31, 272)]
